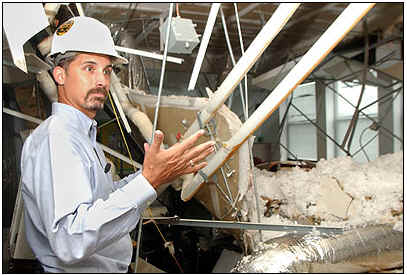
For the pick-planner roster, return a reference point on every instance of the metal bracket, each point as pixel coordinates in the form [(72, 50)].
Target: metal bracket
[(203, 175)]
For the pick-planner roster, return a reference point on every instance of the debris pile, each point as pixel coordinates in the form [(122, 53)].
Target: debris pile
[(338, 193)]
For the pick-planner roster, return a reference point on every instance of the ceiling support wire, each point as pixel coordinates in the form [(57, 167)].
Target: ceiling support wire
[(246, 116), (230, 102)]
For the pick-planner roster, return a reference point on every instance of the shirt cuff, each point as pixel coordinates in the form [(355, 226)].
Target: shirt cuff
[(140, 188)]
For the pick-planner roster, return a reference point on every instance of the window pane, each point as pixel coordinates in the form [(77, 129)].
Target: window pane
[(351, 92), (302, 141), (361, 137), (303, 99)]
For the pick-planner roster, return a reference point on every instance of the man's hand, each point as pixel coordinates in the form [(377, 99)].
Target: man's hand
[(162, 166)]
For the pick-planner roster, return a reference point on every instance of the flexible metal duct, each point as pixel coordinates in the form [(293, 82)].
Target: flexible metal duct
[(297, 255)]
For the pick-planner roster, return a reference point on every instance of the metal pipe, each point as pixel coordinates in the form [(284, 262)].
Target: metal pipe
[(256, 48), (167, 38), (331, 37), (204, 44), (247, 225), (148, 54)]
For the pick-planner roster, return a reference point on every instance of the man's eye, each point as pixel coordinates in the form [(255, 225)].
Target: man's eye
[(108, 71), (88, 68)]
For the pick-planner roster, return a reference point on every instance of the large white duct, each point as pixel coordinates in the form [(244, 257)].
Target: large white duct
[(309, 253)]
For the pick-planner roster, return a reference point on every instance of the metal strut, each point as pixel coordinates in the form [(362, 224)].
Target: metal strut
[(246, 225)]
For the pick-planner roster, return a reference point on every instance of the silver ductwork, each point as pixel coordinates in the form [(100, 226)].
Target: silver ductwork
[(309, 253)]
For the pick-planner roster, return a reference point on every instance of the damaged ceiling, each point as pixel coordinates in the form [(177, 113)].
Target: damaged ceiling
[(142, 20)]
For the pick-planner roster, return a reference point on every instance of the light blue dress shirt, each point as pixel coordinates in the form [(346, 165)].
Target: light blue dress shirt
[(77, 219)]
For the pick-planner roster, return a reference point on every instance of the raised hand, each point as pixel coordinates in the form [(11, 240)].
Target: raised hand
[(162, 166)]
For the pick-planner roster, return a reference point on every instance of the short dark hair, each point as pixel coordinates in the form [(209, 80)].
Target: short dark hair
[(63, 60)]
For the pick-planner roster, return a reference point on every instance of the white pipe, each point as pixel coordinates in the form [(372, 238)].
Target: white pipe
[(47, 84), (148, 54), (204, 44), (139, 118), (256, 48), (332, 36), (105, 148)]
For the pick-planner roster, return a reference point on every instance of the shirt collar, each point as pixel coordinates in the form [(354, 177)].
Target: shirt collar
[(77, 118)]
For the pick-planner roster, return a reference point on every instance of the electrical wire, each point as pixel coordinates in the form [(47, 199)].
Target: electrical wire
[(121, 130), (165, 241)]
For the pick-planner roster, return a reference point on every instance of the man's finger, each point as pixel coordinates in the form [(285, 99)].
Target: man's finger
[(196, 168), (203, 149), (158, 140), (189, 142)]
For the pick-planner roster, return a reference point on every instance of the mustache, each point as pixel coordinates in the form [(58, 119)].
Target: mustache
[(99, 90)]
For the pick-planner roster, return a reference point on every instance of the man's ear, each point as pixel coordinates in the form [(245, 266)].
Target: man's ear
[(59, 75)]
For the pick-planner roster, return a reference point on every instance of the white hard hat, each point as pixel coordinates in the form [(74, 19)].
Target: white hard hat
[(85, 34)]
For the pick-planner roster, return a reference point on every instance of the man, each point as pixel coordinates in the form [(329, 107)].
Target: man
[(77, 220)]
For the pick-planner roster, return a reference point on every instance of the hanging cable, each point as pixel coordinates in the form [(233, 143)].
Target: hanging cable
[(166, 243)]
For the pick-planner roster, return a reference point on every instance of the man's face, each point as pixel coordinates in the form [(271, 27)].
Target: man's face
[(85, 83)]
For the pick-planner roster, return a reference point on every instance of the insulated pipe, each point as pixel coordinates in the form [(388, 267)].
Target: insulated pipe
[(297, 256), (204, 44), (149, 54), (332, 36), (256, 48), (48, 86), (139, 118)]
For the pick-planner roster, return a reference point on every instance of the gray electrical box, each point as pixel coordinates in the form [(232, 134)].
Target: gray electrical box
[(183, 37)]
